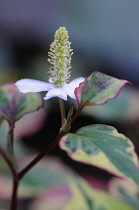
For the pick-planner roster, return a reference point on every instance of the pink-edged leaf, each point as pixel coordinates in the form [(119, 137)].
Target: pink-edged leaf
[(14, 104), (97, 89), (103, 147)]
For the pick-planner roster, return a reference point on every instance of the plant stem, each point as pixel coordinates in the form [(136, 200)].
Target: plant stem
[(76, 115), (12, 164), (41, 155), (62, 110), (5, 157), (52, 145), (13, 205), (10, 150)]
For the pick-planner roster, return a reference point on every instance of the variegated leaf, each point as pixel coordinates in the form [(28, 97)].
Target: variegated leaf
[(97, 89), (14, 104), (102, 146)]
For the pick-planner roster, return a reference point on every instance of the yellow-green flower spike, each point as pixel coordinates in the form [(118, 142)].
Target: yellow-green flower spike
[(60, 58)]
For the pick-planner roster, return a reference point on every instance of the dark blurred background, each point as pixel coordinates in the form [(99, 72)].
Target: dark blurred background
[(105, 38)]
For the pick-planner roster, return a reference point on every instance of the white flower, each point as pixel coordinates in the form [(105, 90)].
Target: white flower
[(34, 86), (60, 58)]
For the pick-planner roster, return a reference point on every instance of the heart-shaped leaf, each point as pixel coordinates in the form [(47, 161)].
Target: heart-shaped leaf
[(102, 146), (97, 89), (14, 104)]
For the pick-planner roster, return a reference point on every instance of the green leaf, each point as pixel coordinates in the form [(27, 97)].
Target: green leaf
[(77, 195), (97, 89), (86, 197), (123, 109), (14, 104), (124, 191), (102, 146)]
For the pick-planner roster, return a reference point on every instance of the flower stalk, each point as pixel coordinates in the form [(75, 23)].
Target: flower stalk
[(62, 110)]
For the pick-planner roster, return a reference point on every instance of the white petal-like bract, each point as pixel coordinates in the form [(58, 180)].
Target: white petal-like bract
[(32, 85), (75, 82), (56, 92)]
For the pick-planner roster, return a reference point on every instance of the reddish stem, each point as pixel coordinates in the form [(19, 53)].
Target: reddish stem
[(76, 115), (41, 155), (13, 205), (49, 148), (9, 163)]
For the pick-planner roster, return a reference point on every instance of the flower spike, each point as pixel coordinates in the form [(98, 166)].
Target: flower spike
[(60, 58)]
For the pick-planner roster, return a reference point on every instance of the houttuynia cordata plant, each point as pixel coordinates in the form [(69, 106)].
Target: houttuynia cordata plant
[(97, 145)]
